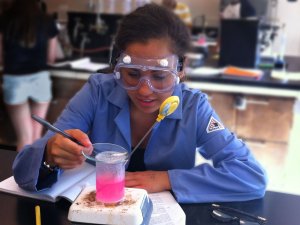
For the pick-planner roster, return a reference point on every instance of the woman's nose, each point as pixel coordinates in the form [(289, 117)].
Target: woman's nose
[(145, 87)]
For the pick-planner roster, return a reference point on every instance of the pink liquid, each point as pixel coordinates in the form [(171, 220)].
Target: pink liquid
[(109, 189)]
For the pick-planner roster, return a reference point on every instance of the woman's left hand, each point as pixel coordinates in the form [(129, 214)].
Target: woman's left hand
[(151, 181)]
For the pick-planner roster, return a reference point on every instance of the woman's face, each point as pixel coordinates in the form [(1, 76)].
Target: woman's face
[(144, 99)]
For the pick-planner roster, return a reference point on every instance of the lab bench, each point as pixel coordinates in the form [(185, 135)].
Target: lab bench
[(256, 110)]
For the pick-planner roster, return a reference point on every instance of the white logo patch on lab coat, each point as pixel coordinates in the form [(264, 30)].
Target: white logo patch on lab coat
[(214, 125)]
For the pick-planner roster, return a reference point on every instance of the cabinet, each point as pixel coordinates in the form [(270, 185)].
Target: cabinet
[(255, 118), (63, 90), (223, 104), (251, 117), (266, 119), (7, 133)]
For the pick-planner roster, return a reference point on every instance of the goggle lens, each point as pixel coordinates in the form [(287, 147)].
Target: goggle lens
[(161, 75), (157, 80)]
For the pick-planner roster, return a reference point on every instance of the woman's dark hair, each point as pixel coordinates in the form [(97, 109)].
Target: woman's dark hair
[(21, 21), (153, 22)]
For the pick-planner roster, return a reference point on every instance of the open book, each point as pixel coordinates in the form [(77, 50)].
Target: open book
[(166, 210), (68, 186)]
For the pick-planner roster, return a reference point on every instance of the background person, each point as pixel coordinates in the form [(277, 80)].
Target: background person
[(180, 9), (28, 43), (119, 108), (237, 9)]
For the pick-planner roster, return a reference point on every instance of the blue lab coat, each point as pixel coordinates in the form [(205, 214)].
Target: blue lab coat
[(101, 109)]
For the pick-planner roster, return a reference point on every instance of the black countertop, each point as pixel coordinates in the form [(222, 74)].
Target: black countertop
[(265, 81), (278, 208)]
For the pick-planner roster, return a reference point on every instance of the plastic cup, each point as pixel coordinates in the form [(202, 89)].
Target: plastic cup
[(110, 172)]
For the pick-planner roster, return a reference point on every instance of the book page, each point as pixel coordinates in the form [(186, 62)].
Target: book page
[(285, 75), (166, 210), (9, 185), (86, 64), (67, 182), (71, 193), (205, 71)]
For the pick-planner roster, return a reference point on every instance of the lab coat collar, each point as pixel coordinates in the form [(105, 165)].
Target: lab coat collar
[(119, 97), (177, 114)]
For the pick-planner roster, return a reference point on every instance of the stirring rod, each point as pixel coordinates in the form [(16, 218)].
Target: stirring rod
[(49, 126), (166, 108)]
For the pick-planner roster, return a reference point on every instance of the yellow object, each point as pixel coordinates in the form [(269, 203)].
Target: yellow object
[(167, 107), (37, 215), (183, 11)]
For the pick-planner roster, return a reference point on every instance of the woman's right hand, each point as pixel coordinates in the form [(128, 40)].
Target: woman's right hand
[(66, 154)]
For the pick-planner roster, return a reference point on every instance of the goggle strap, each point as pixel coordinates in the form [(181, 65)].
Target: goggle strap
[(118, 75), (181, 60), (114, 56)]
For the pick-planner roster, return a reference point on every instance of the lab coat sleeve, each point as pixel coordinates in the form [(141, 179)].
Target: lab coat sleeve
[(233, 175), (234, 178), (27, 165)]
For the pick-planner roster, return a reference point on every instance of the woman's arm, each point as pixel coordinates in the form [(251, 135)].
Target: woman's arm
[(1, 51), (233, 173), (52, 46), (27, 165)]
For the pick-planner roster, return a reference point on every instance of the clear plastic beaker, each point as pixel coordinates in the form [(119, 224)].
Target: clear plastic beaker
[(110, 172)]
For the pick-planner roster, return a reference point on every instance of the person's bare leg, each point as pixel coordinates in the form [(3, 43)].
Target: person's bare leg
[(39, 109), (21, 120)]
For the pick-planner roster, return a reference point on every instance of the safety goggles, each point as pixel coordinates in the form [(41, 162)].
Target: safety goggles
[(228, 215), (161, 75)]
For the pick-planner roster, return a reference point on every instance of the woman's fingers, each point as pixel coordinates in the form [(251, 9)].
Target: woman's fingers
[(65, 153), (152, 181)]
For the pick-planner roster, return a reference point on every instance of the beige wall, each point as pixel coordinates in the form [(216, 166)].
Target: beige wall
[(285, 12), (209, 8), (289, 13), (113, 6)]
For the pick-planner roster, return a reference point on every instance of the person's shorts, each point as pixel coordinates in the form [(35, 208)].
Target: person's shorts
[(19, 89)]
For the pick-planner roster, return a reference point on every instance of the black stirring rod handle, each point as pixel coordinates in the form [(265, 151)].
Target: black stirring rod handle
[(49, 126)]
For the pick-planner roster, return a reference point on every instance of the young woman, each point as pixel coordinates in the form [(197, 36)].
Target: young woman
[(27, 44), (120, 108)]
